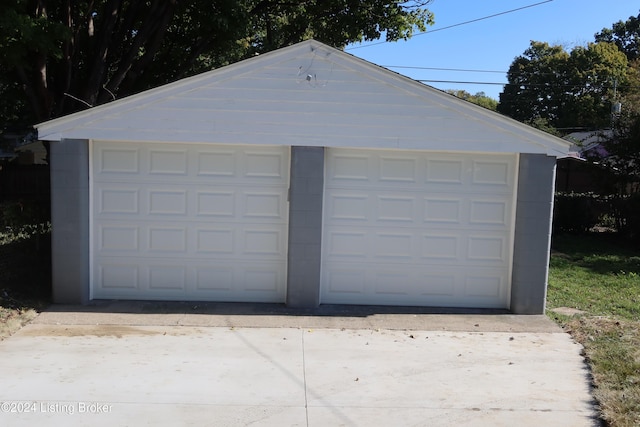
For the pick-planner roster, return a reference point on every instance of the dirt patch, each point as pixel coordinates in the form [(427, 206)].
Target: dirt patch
[(117, 331), (12, 320), (567, 311)]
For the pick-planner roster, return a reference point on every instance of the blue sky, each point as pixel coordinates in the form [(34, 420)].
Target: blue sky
[(492, 44)]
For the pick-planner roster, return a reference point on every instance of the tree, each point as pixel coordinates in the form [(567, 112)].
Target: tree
[(626, 35), (480, 98), (69, 55), (621, 146), (566, 90)]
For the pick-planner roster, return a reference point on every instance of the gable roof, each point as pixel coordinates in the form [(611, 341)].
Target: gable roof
[(308, 94)]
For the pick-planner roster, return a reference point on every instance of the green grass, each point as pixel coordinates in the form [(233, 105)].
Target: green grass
[(600, 276)]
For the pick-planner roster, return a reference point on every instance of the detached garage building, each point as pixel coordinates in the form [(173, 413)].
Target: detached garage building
[(304, 176)]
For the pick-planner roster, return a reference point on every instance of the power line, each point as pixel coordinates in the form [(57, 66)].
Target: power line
[(517, 84), (466, 70), (460, 82), (461, 23), (443, 69)]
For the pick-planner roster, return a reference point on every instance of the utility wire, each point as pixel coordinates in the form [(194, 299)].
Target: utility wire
[(519, 84), (460, 24), (461, 82), (443, 69), (522, 73)]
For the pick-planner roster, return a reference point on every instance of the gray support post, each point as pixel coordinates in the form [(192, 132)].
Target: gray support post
[(69, 166), (532, 240), (305, 226)]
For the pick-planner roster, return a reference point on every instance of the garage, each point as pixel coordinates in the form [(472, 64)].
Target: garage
[(189, 222), (304, 176), (417, 228)]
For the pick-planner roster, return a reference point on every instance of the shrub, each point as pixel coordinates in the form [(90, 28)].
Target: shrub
[(576, 212), (627, 209), (15, 215)]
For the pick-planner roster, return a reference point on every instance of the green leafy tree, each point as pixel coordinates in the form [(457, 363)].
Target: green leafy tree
[(626, 35), (621, 150), (536, 84), (480, 98), (69, 55), (565, 90)]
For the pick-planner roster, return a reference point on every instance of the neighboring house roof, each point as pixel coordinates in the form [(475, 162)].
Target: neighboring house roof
[(584, 142), (38, 150), (308, 94)]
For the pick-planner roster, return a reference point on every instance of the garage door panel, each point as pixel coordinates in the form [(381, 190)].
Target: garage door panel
[(340, 282), (385, 284), (389, 284), (117, 200), (397, 169), (392, 282), (496, 173), (167, 277), (168, 162), (416, 210), (442, 210), (451, 246), (486, 285), (163, 239), (199, 240), (345, 243), (215, 241), (349, 167), (421, 229), (489, 212), (237, 165), (441, 284), (219, 164), (442, 247), (264, 165), (215, 279), (163, 279), (196, 222), (487, 248), (396, 208), (167, 202), (444, 171), (218, 203), (398, 245), (225, 202), (263, 243), (121, 276), (351, 207), (263, 205), (118, 238), (117, 161)]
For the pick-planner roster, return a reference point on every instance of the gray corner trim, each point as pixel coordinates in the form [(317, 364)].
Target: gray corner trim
[(532, 239), (305, 226), (69, 166)]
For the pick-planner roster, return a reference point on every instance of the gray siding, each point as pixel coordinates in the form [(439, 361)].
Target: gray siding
[(534, 213), (70, 221), (305, 226)]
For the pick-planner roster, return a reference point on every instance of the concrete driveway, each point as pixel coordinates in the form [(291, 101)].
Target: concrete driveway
[(139, 364)]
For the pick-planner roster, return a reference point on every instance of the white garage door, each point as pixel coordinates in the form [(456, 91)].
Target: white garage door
[(189, 222), (415, 228)]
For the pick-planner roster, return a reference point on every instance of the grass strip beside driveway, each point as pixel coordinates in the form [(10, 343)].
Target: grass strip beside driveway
[(598, 276)]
